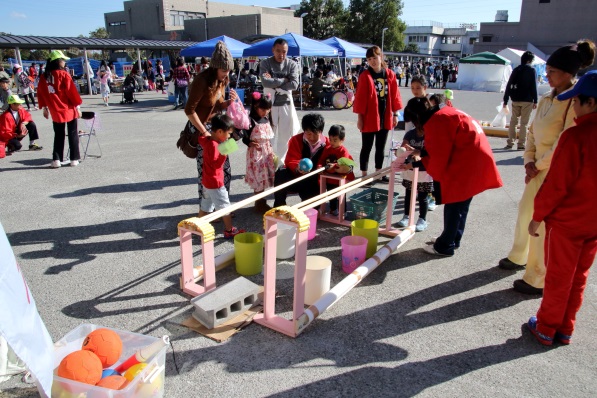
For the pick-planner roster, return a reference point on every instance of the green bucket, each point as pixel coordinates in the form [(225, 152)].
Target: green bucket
[(248, 253), (368, 229)]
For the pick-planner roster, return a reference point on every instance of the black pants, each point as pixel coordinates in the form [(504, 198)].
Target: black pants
[(306, 188), (406, 81), (423, 203), (15, 143), (454, 222), (399, 80), (28, 97), (380, 137), (73, 140)]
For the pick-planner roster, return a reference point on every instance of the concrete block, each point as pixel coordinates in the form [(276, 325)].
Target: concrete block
[(225, 302)]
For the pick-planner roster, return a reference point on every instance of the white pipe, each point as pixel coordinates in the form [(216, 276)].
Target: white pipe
[(345, 285), (220, 262), (213, 216), (334, 193), (87, 69)]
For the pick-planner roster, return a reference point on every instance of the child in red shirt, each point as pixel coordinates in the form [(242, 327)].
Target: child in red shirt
[(216, 196), (329, 159), (565, 203)]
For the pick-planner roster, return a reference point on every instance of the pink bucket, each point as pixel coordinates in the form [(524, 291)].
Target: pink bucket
[(354, 252), (312, 214)]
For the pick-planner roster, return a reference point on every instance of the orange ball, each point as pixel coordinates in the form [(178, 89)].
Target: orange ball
[(104, 343), (83, 366), (114, 382)]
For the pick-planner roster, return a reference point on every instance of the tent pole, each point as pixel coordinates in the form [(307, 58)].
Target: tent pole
[(18, 56), (301, 81)]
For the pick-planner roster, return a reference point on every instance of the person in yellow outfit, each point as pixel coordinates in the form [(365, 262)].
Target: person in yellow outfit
[(552, 118)]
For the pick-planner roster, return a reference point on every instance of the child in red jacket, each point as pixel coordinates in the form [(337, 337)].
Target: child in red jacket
[(329, 159), (216, 195), (565, 203)]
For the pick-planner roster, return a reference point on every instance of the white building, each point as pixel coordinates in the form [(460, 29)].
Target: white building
[(438, 39)]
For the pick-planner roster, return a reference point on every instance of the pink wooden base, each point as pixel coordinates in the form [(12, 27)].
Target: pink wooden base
[(269, 317), (189, 285)]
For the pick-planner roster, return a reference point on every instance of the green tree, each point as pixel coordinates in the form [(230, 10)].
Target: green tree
[(99, 33), (412, 48), (369, 17), (325, 18)]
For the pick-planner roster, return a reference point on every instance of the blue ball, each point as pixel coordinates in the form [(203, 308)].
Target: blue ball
[(109, 372), (305, 165)]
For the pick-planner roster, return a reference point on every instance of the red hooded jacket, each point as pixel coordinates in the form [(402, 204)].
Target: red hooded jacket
[(8, 127), (60, 96), (459, 155), (365, 102)]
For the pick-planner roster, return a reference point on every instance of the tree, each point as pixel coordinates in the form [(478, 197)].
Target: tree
[(99, 33), (369, 17), (412, 48), (325, 18)]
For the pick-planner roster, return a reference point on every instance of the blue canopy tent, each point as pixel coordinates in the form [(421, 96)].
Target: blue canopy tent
[(345, 49), (298, 46), (206, 48)]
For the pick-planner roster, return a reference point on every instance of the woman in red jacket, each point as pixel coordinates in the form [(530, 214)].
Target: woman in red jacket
[(458, 155), (377, 102), (58, 96)]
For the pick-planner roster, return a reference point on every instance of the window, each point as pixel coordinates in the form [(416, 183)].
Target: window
[(473, 40), (117, 23), (544, 1), (417, 39), (486, 38)]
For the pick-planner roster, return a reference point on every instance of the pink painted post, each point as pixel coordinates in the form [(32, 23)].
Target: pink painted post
[(390, 207), (186, 259), (269, 294), (413, 197), (341, 199), (300, 272)]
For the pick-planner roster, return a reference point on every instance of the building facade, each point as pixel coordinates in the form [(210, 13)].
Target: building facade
[(197, 20), (544, 26), (438, 39)]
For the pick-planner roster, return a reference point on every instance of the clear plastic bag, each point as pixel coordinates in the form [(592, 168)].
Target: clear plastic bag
[(500, 119)]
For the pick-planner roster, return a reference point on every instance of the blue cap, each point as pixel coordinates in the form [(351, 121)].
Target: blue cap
[(586, 85)]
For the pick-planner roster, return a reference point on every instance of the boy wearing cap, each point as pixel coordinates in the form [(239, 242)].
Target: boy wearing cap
[(4, 93), (565, 203), (15, 124)]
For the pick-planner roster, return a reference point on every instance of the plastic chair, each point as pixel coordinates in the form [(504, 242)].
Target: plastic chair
[(92, 123)]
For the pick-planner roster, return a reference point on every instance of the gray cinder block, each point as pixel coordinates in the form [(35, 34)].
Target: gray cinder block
[(225, 302)]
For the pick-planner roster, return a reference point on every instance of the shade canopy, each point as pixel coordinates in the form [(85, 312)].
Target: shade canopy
[(345, 48), (514, 56), (298, 46), (206, 48), (485, 57)]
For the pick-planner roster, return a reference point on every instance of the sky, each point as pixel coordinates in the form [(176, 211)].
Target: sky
[(71, 18)]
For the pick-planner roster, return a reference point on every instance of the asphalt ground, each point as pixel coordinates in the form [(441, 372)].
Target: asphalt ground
[(98, 244)]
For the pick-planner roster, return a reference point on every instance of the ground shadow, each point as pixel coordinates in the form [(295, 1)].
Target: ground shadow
[(517, 161)]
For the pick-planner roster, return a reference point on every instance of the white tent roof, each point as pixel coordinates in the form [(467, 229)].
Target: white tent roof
[(514, 57)]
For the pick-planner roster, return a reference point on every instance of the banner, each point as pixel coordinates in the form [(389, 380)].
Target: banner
[(126, 69), (20, 323)]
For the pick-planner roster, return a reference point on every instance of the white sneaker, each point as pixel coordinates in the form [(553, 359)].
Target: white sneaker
[(404, 222), (74, 163), (55, 164), (421, 225), (432, 205)]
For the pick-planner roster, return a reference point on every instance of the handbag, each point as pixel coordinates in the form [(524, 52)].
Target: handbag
[(239, 115), (188, 140), (189, 137)]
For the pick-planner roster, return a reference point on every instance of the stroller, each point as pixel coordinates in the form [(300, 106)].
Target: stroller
[(128, 90)]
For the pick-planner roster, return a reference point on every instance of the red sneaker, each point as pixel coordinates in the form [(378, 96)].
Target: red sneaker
[(233, 232)]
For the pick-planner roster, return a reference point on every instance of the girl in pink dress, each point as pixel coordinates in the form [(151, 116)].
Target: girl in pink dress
[(260, 155)]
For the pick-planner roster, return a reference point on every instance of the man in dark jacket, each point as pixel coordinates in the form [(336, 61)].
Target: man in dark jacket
[(522, 89)]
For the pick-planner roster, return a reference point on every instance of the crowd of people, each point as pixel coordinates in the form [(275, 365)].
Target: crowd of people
[(446, 146)]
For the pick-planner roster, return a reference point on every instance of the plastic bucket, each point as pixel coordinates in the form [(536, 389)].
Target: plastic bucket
[(312, 214), (318, 276), (354, 251), (286, 245), (368, 229), (248, 253)]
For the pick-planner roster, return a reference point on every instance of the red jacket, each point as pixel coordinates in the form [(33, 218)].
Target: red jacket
[(460, 157), (566, 197), (331, 155), (8, 127), (365, 102), (60, 96), (213, 164), (298, 151)]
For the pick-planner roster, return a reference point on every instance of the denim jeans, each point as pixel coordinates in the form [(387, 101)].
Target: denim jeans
[(180, 94), (454, 222)]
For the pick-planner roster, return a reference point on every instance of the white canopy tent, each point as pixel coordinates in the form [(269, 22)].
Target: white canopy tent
[(483, 72)]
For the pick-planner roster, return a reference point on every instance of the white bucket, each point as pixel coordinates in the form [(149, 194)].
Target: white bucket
[(286, 245), (318, 276)]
